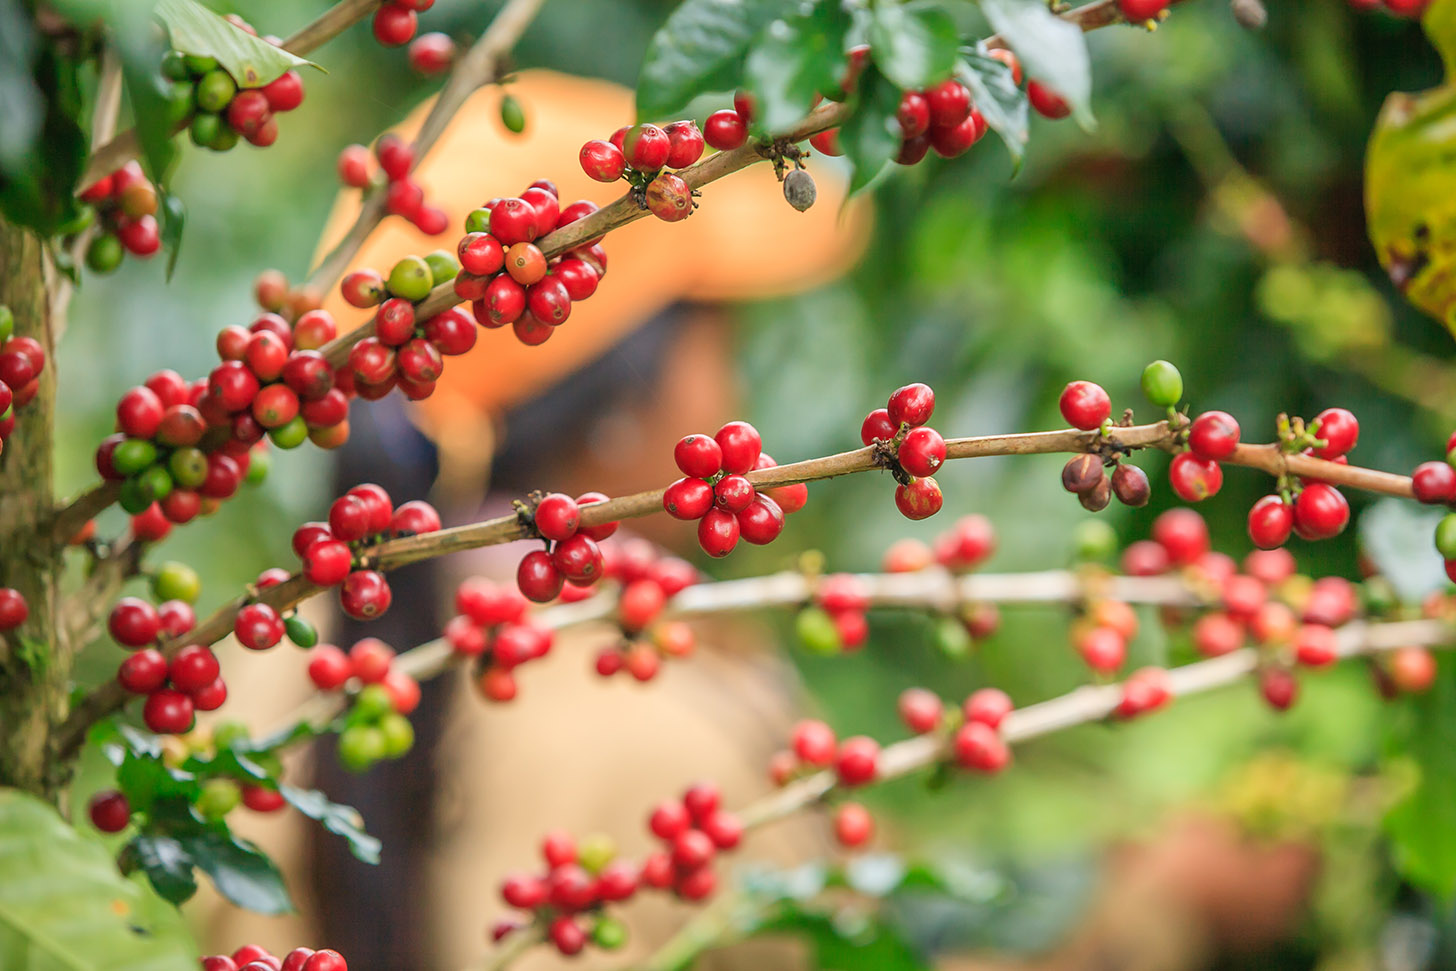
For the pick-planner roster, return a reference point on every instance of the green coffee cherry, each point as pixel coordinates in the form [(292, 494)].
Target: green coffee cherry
[(174, 66), (133, 455), (179, 102), (410, 279), (373, 703), (399, 735), (513, 116), (260, 463), (360, 746), (1093, 541), (609, 933), (952, 639), (1163, 384), (595, 852), (269, 762), (291, 435), (224, 734), (104, 254), (133, 499), (300, 631), (176, 581), (188, 467), (214, 90), (7, 323), (155, 482), (204, 129), (225, 139), (218, 798), (199, 64), (817, 632), (443, 266), (478, 221), (1446, 536)]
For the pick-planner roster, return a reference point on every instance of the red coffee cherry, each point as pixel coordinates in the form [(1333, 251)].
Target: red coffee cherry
[(1183, 534), (353, 166), (602, 161), (513, 221), (977, 746), (1085, 405), (877, 426), (143, 672), (920, 710), (1046, 102), (718, 532), (956, 140), (1340, 429), (1145, 690), (725, 130), (669, 197), (329, 667), (1217, 633), (922, 452), (1194, 479), (698, 456), (814, 742), (258, 627), (853, 825), (741, 446), (432, 53), (138, 413), (921, 499), (1412, 669), (911, 405), (989, 706), (193, 668), (1316, 645), (578, 558), (13, 609), (168, 712), (688, 498), (913, 114), (826, 142), (646, 147), (365, 594), (1139, 10), (133, 622), (733, 493), (1102, 649), (1434, 483), (687, 144), (394, 24), (566, 933), (327, 562), (1279, 687), (857, 760), (1271, 521), (1213, 435), (109, 810), (948, 103), (538, 578), (1320, 512), (505, 301), (761, 522)]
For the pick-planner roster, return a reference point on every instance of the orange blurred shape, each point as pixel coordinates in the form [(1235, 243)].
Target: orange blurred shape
[(744, 242)]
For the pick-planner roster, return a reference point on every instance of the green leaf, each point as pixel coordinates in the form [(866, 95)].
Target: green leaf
[(167, 866), (870, 137), (251, 61), (997, 97), (38, 173), (1422, 827), (700, 48), (174, 217), (145, 780), (64, 906), (914, 43), (793, 59), (1052, 50), (1439, 23), (340, 820), (141, 53), (848, 945), (241, 872)]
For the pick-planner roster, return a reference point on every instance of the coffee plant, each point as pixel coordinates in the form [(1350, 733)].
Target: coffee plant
[(889, 90)]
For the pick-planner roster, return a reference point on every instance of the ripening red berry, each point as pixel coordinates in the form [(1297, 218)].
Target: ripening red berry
[(1217, 633), (578, 558), (1102, 649), (698, 456), (1271, 520), (1046, 102), (538, 578), (1194, 479), (1412, 669), (718, 532), (193, 668), (110, 811), (13, 608), (877, 426), (922, 452), (913, 114), (1279, 687), (1213, 435), (142, 236), (1085, 405), (989, 706), (327, 562), (978, 746), (394, 24), (602, 161), (513, 221), (1339, 429), (143, 672), (761, 522), (329, 667), (741, 446), (1320, 512), (688, 498), (168, 712), (733, 493), (669, 197), (956, 140), (1316, 645), (826, 142), (686, 141), (920, 710), (133, 622), (857, 761), (853, 825), (1183, 534), (285, 92), (365, 594), (1137, 11), (646, 147), (921, 499), (911, 405), (725, 130), (567, 934), (432, 53), (814, 742), (354, 166), (370, 660), (1434, 483), (258, 627)]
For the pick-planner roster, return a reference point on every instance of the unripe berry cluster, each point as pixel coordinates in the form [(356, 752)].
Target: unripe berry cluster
[(917, 450), (125, 203), (21, 361), (376, 726), (492, 628), (646, 582), (404, 197), (252, 957), (395, 21), (642, 154), (1308, 508), (505, 275), (217, 109), (715, 491)]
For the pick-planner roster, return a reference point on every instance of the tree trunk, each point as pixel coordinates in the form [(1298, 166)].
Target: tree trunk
[(35, 668)]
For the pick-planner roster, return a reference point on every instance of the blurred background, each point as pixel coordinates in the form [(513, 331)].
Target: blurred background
[(1214, 219)]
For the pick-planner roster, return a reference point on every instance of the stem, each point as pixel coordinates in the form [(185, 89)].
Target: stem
[(475, 70), (400, 552), (329, 24)]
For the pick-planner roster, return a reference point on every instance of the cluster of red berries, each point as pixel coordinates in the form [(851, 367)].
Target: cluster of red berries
[(836, 622), (694, 830), (13, 609), (1396, 8), (432, 53), (21, 361), (395, 21), (918, 450), (646, 582), (976, 742), (643, 154), (572, 553), (359, 518), (715, 490), (1317, 510), (126, 208), (251, 957), (404, 197), (217, 110), (370, 661), (509, 280), (492, 628), (578, 881), (1434, 483), (190, 681), (1086, 406)]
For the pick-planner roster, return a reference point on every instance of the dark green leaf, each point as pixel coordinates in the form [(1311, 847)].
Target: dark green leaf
[(1052, 50), (340, 820), (251, 61), (700, 48), (167, 866), (997, 97), (174, 217), (38, 178), (64, 906), (146, 780), (228, 762), (863, 945), (140, 48), (240, 871), (793, 59), (914, 43), (1422, 827), (870, 137)]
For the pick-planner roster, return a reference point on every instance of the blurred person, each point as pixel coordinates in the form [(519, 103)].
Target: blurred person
[(647, 359)]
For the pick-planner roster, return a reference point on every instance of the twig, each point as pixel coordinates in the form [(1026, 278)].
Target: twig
[(476, 69), (124, 147), (72, 516)]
